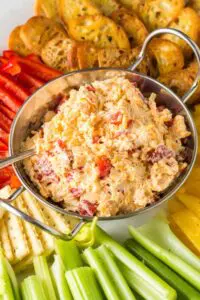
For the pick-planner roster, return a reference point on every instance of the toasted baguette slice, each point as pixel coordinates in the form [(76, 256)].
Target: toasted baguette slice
[(38, 31), (165, 56), (48, 8), (114, 57), (70, 9), (107, 6), (38, 10), (132, 25), (87, 56), (100, 30), (16, 44), (5, 193), (60, 53)]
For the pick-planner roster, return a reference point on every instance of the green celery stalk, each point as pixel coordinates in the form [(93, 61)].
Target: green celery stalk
[(13, 280), (83, 284), (5, 284), (42, 271), (140, 285), (158, 231), (92, 258), (32, 289), (173, 261), (145, 274), (116, 276), (58, 274), (184, 290), (69, 254)]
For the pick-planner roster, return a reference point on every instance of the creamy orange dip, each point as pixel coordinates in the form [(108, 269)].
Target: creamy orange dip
[(107, 150)]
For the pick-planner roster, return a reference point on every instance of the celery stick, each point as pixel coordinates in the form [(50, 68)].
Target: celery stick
[(92, 258), (58, 274), (140, 285), (5, 285), (83, 284), (145, 274), (173, 261), (159, 232), (184, 290), (69, 254), (13, 280), (42, 271), (116, 276), (32, 289)]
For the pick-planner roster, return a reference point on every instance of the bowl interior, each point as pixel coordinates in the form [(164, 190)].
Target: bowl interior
[(31, 114)]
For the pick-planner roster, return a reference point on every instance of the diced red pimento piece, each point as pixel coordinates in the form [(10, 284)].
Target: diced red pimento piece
[(129, 123), (69, 176), (116, 118), (61, 144), (95, 139), (90, 88), (104, 166), (77, 192), (87, 208)]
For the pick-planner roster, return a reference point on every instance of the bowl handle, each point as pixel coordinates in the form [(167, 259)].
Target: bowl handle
[(184, 37), (5, 204)]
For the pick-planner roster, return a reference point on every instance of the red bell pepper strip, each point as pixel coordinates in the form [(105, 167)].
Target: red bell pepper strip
[(4, 175), (36, 69), (3, 154), (34, 57), (13, 87), (29, 81), (7, 112), (3, 146), (5, 123), (9, 100), (8, 53), (3, 61), (14, 182), (3, 136), (10, 68)]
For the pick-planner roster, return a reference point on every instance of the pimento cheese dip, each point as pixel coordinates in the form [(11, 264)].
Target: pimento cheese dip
[(107, 150)]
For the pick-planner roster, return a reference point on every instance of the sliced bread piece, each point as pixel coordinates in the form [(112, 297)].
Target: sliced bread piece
[(100, 30), (60, 53), (38, 31), (15, 42)]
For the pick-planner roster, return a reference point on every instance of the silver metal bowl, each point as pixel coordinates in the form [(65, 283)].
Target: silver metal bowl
[(31, 113)]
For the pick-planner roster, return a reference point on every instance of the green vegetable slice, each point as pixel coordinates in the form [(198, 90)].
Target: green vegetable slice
[(69, 254), (136, 266), (43, 273), (32, 289), (184, 290), (5, 284), (83, 284), (115, 274), (190, 274), (58, 274), (158, 231)]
